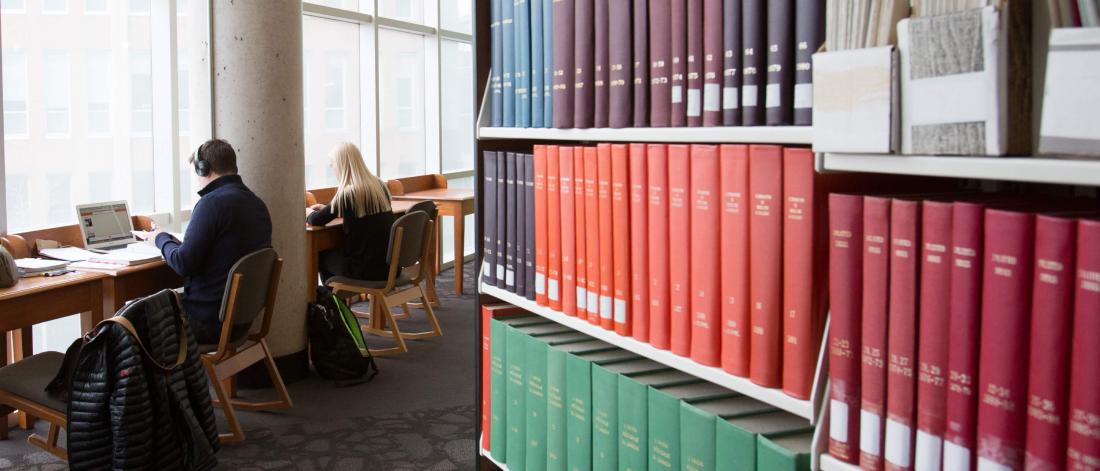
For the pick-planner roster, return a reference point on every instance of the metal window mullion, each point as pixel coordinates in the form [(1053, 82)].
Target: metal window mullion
[(377, 98), (332, 13), (165, 106), (405, 26), (456, 36)]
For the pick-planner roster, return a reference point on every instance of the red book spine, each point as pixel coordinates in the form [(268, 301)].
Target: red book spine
[(1084, 396), (876, 295), (935, 310), (541, 224), (1002, 364), (554, 235), (901, 342), (1051, 337), (657, 174), (488, 312), (660, 63), (679, 247), (568, 232), (734, 254), (967, 242), (639, 244), (713, 61), (803, 307), (766, 264), (845, 301), (620, 236), (592, 232), (694, 100), (607, 256), (705, 245), (580, 235), (678, 111)]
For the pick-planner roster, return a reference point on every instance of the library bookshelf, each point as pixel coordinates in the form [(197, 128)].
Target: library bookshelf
[(1030, 169)]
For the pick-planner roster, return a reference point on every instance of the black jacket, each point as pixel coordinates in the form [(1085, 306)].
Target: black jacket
[(366, 240), (124, 412), (228, 222)]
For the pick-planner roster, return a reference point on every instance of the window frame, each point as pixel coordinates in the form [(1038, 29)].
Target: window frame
[(26, 102), (67, 61)]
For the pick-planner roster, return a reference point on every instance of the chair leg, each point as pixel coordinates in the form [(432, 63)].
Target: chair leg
[(50, 442), (276, 378), (394, 331), (436, 330), (236, 434)]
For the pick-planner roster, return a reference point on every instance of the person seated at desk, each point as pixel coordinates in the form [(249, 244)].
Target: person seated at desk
[(228, 222), (363, 201)]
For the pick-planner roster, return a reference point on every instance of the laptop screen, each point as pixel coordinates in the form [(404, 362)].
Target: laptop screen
[(105, 224)]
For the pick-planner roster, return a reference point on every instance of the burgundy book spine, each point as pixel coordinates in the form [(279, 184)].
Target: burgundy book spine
[(967, 243), (845, 279), (731, 62), (1084, 393), (809, 31), (754, 61), (935, 309), (678, 50), (620, 88), (584, 36), (712, 63), (660, 63), (641, 63), (694, 102), (1051, 337), (563, 63), (876, 295), (602, 68), (901, 341), (1003, 355), (778, 104)]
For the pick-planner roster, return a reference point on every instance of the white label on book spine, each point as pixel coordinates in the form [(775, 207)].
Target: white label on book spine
[(605, 307), (804, 95), (510, 278), (929, 448), (838, 424), (898, 438), (677, 93), (771, 95), (694, 102), (620, 311), (749, 99), (540, 283), (500, 271), (712, 97), (582, 294), (729, 98), (986, 464), (552, 288), (955, 457), (593, 300), (870, 432)]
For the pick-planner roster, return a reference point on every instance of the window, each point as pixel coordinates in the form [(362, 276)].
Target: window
[(99, 93), (331, 82), (95, 6), (404, 10), (139, 7), (12, 6), (335, 65), (456, 103), (16, 123), (56, 85), (59, 207), (455, 15), (402, 133), (55, 6), (141, 93), (184, 101)]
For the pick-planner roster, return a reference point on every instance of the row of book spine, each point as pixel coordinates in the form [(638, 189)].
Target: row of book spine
[(705, 250), (964, 333), (653, 63), (555, 399)]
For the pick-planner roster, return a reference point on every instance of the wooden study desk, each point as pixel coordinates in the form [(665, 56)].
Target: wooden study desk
[(331, 236), (135, 281), (454, 202)]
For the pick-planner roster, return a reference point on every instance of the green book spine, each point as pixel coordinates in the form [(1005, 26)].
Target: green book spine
[(555, 410), (664, 431), (516, 391), (696, 438), (535, 370), (735, 448), (605, 419), (578, 424), (633, 433), (499, 430), (772, 456)]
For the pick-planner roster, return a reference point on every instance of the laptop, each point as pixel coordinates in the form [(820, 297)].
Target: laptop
[(105, 226)]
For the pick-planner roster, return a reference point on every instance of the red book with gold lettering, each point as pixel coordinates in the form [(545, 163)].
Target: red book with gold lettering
[(607, 256), (901, 341), (541, 225), (580, 235), (935, 312), (1003, 355), (733, 165), (568, 232), (1084, 391), (706, 307), (875, 296), (766, 264), (553, 228), (657, 174), (620, 237), (967, 242), (679, 247), (639, 244), (488, 312), (592, 233), (845, 279)]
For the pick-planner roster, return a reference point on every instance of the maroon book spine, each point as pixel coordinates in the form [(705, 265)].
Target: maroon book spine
[(678, 39), (602, 67), (563, 63), (712, 63), (779, 80), (1003, 355), (754, 61), (845, 279), (619, 86), (660, 63), (694, 102), (731, 62), (901, 341), (640, 33), (935, 308), (584, 37), (1084, 392), (1051, 337), (967, 243), (876, 295)]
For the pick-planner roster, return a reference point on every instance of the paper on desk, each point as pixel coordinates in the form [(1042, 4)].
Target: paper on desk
[(68, 254), (38, 265), (94, 266)]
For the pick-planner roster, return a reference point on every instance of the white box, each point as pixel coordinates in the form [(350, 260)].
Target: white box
[(1071, 93), (856, 101)]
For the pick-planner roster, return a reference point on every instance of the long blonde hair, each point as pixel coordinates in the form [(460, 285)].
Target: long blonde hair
[(358, 186)]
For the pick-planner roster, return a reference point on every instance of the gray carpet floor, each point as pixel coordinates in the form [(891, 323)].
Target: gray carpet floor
[(417, 414)]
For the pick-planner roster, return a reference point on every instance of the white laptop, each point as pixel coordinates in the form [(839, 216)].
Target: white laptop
[(105, 226)]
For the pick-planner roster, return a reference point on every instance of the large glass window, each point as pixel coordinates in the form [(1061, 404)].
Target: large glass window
[(99, 93), (57, 93), (402, 134), (455, 15), (95, 6), (13, 6), (16, 122), (331, 83), (456, 103)]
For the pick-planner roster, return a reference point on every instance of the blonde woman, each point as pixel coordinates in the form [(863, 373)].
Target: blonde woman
[(363, 202)]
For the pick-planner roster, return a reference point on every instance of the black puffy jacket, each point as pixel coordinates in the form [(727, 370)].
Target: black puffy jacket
[(125, 412)]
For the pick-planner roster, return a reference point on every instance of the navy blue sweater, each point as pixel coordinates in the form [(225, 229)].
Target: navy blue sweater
[(228, 222)]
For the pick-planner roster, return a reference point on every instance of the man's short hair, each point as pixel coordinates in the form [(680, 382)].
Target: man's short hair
[(219, 155)]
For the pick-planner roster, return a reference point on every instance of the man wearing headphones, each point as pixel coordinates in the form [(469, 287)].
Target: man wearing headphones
[(228, 222)]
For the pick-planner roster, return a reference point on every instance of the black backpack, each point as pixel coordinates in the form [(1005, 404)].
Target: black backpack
[(336, 344)]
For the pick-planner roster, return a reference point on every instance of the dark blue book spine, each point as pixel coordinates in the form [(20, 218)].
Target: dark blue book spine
[(497, 96), (537, 77), (548, 63), (521, 228), (489, 222), (502, 226), (508, 58), (529, 221), (523, 63), (510, 222)]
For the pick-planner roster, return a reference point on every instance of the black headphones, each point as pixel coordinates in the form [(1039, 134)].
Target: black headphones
[(202, 166)]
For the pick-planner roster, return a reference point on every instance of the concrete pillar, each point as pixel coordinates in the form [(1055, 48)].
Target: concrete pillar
[(257, 101)]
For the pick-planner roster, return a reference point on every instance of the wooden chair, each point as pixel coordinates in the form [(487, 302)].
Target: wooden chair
[(395, 187), (249, 293), (23, 387), (144, 223), (421, 183), (310, 199), (429, 208), (407, 248), (16, 245)]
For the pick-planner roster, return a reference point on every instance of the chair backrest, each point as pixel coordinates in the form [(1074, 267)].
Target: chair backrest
[(428, 207), (422, 182), (395, 188), (310, 199), (144, 223), (256, 276), (413, 236), (16, 245)]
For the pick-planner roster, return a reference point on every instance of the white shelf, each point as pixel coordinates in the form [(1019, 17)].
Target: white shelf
[(722, 134), (828, 463), (1022, 169), (775, 397)]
